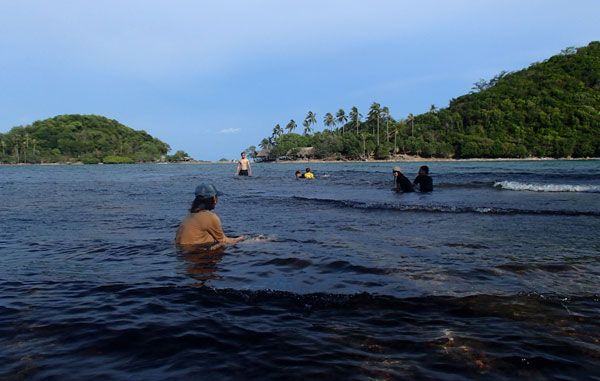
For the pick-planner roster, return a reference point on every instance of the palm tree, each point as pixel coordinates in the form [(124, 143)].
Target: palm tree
[(26, 145), (291, 126), (374, 113), (311, 119), (16, 150), (34, 142), (277, 131), (341, 118), (265, 144), (412, 124), (328, 120), (306, 127), (355, 117), (386, 113)]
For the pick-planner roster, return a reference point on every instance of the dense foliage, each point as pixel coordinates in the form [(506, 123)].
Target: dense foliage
[(551, 109), (79, 138)]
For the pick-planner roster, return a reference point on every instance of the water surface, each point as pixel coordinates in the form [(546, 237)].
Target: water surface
[(495, 274)]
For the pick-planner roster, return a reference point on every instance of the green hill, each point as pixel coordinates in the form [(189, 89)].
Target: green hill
[(551, 109), (79, 138)]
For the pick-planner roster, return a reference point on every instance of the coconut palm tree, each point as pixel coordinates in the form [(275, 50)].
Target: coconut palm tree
[(291, 126), (374, 114), (412, 124), (265, 144), (341, 118), (386, 114), (355, 117), (311, 119), (306, 127), (328, 120), (26, 145), (277, 131)]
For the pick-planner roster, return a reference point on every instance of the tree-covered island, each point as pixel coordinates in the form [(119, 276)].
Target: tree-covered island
[(550, 109), (89, 139)]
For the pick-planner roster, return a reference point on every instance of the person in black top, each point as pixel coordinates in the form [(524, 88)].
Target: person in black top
[(424, 181), (402, 183)]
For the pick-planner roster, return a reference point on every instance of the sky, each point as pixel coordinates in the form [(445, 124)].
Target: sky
[(214, 77)]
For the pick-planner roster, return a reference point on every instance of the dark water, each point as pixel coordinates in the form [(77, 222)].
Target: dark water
[(495, 275)]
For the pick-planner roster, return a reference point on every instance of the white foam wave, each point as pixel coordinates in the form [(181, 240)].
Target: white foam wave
[(517, 186)]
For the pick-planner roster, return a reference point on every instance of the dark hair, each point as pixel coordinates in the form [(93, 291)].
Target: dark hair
[(201, 203), (297, 172), (242, 153), (425, 169), (307, 169)]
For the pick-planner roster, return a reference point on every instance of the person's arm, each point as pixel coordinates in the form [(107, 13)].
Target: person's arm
[(216, 231), (237, 170), (249, 168), (233, 240)]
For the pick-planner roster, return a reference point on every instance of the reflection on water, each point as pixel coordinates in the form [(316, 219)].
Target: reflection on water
[(201, 262)]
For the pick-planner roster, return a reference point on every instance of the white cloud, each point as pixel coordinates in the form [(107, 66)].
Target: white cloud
[(229, 131)]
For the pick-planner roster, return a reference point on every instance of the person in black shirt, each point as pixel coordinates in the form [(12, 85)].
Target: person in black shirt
[(424, 181), (402, 183)]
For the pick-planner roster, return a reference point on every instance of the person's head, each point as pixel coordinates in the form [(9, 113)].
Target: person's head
[(298, 174), (307, 170), (424, 170), (243, 154), (396, 171), (206, 198)]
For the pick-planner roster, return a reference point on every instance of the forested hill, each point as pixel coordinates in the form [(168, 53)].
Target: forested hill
[(79, 138), (551, 108)]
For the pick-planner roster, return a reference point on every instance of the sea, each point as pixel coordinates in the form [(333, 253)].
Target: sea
[(494, 275)]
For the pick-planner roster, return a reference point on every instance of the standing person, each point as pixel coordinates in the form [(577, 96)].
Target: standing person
[(309, 174), (246, 168), (424, 181), (402, 183), (201, 227)]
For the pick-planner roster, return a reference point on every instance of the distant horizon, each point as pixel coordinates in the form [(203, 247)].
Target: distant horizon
[(215, 87)]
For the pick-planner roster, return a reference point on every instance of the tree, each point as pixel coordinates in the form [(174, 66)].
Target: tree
[(341, 118), (251, 152), (328, 120), (291, 126), (266, 143), (374, 114), (277, 131), (411, 117), (306, 127), (355, 117), (311, 119), (386, 114)]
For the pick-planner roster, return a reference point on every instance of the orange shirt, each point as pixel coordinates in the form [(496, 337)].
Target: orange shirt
[(201, 228)]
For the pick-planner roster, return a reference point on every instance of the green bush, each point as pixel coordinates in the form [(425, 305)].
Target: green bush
[(117, 160)]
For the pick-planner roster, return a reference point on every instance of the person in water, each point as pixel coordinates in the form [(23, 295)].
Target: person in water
[(299, 175), (201, 227), (423, 180), (402, 182), (309, 174), (244, 167)]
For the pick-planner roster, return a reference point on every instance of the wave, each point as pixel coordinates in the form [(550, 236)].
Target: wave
[(517, 186), (443, 208)]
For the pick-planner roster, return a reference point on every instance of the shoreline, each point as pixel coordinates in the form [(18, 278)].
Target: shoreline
[(404, 158)]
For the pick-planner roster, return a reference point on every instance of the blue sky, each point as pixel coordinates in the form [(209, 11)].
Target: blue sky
[(214, 77)]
